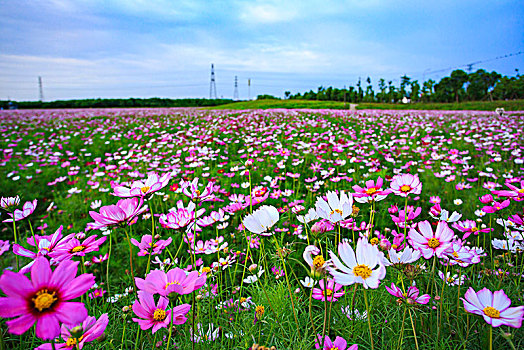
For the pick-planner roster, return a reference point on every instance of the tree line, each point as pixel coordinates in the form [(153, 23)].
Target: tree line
[(117, 103), (458, 86)]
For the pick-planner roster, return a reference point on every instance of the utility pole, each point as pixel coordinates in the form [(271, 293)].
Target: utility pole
[(235, 94), (41, 89), (249, 89), (212, 84)]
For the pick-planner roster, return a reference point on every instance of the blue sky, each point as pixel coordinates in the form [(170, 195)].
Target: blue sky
[(126, 48)]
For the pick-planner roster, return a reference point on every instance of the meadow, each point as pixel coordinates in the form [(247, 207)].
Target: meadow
[(261, 229)]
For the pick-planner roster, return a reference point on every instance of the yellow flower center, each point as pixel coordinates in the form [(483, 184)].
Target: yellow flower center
[(433, 243), (243, 300), (451, 280), (336, 211), (455, 254), (394, 246), (521, 190), (197, 193), (73, 341), (374, 241), (260, 310), (327, 292), (405, 188), (355, 210), (145, 189), (44, 300), (206, 269), (78, 248), (362, 271), (159, 315), (334, 348), (371, 190), (318, 262), (474, 229), (171, 283), (491, 312)]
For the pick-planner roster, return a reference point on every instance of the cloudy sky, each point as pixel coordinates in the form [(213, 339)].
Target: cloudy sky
[(135, 48)]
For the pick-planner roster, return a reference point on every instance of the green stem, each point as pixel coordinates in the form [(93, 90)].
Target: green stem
[(413, 326), (369, 319), (131, 261)]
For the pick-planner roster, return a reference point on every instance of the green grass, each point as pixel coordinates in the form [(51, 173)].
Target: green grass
[(514, 105)]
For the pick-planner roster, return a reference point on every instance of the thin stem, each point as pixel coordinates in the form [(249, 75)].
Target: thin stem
[(131, 261), (16, 242), (107, 265), (490, 337), (413, 326), (369, 319), (171, 331)]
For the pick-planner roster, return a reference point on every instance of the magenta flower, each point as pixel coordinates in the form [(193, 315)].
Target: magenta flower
[(152, 184), (339, 344), (469, 227), (430, 243), (331, 291), (494, 307), (44, 299), (146, 245), (411, 296), (122, 213), (372, 191), (27, 209), (157, 316), (496, 206), (89, 331), (191, 189), (405, 184), (514, 191), (8, 203), (180, 216), (174, 281), (486, 199), (406, 216), (74, 247)]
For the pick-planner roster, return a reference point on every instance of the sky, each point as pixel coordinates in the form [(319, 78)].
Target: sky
[(162, 48)]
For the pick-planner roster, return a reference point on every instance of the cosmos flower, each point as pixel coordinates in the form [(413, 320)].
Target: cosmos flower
[(4, 247), (372, 191), (201, 335), (146, 245), (364, 267), (27, 209), (411, 296), (8, 203), (317, 264), (181, 216), (89, 330), (261, 220), (407, 256), (339, 343), (45, 299), (494, 307), (430, 243), (452, 280), (405, 184), (496, 206), (122, 213), (514, 191), (330, 291), (191, 189), (73, 247), (157, 316), (174, 281), (468, 227), (152, 184), (335, 209)]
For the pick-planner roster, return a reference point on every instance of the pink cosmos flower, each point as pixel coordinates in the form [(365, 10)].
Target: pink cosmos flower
[(74, 247), (411, 296), (90, 330), (45, 298), (405, 184), (339, 344), (430, 243), (4, 247), (494, 307), (191, 189), (97, 293), (174, 281), (514, 193), (434, 200), (486, 199), (27, 209), (496, 206), (404, 218), (122, 213), (372, 191), (146, 245), (157, 316), (8, 203), (331, 291), (181, 216), (152, 184), (468, 227)]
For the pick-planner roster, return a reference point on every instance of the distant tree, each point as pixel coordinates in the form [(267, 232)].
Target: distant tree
[(370, 94), (382, 94), (457, 80), (287, 94), (415, 91), (404, 82)]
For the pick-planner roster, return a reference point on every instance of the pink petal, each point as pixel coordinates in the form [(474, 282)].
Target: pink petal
[(47, 327), (71, 313), (21, 324)]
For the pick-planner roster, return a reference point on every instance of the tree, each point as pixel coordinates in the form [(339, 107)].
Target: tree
[(287, 94), (457, 79), (404, 81), (415, 91)]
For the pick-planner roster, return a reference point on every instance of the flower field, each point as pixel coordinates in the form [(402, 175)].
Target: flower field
[(274, 229)]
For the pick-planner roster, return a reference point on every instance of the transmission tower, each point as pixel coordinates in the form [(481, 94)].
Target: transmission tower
[(249, 89), (212, 84), (41, 89), (235, 94)]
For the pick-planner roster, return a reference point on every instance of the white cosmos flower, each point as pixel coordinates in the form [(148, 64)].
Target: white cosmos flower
[(261, 220), (444, 216), (335, 209), (407, 256), (365, 267), (308, 282), (310, 216)]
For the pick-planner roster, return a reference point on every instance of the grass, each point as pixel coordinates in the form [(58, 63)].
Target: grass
[(514, 105)]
